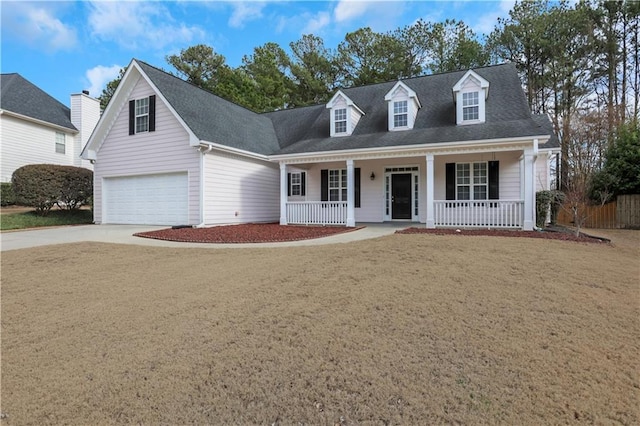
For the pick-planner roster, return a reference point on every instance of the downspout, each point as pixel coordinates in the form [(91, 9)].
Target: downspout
[(202, 178)]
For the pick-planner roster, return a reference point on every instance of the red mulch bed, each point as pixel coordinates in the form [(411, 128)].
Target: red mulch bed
[(246, 233), (556, 234)]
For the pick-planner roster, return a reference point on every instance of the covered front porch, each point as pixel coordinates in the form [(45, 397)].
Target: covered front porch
[(470, 188)]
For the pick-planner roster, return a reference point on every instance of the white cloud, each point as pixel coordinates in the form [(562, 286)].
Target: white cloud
[(99, 76), (316, 23), (347, 10), (244, 12), (486, 22), (135, 25), (378, 15), (37, 25)]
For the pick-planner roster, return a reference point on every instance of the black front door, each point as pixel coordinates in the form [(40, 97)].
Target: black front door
[(401, 196)]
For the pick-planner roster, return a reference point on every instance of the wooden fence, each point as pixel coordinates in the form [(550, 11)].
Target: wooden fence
[(624, 212)]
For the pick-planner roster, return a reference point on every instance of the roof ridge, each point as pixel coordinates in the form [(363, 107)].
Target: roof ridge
[(195, 85)]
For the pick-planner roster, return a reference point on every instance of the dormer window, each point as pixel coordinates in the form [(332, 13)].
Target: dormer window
[(470, 94), (400, 114), (470, 106), (340, 120), (403, 107), (344, 114)]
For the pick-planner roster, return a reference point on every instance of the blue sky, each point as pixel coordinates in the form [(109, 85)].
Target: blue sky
[(65, 47)]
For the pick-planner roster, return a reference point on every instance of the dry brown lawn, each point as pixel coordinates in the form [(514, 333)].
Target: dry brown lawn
[(405, 329)]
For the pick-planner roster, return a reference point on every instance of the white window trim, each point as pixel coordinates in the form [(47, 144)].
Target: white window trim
[(61, 146), (472, 184), (342, 184), (344, 120), (141, 115), (471, 106), (296, 185), (405, 113)]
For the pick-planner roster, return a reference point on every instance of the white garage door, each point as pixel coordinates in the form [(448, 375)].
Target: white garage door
[(147, 200)]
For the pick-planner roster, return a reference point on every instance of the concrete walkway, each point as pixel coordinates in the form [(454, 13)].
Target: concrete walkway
[(123, 234)]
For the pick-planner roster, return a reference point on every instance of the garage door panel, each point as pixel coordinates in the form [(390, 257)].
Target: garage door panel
[(147, 200)]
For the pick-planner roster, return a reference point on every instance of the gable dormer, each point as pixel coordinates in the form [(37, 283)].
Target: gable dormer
[(403, 106), (344, 113), (470, 94)]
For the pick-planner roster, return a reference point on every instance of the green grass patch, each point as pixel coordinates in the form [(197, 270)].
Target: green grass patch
[(54, 218)]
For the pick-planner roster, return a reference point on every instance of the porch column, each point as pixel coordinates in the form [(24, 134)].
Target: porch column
[(431, 220), (529, 192), (283, 194), (351, 195)]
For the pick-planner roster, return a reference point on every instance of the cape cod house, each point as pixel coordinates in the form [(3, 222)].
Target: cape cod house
[(456, 149), (35, 128)]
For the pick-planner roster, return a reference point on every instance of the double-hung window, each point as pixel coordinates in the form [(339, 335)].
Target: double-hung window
[(296, 184), (470, 106), (471, 181), (340, 120), (338, 185), (142, 115), (400, 114), (61, 147)]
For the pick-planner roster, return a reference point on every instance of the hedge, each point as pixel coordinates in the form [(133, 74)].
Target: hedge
[(7, 197), (44, 185)]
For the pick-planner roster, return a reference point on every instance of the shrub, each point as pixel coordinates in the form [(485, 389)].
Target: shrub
[(543, 201), (76, 189), (44, 185), (546, 200), (7, 198)]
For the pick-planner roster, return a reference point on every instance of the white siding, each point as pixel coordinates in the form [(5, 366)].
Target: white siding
[(509, 171), (240, 190), (543, 167), (85, 113), (371, 191), (166, 150), (23, 142), (355, 117)]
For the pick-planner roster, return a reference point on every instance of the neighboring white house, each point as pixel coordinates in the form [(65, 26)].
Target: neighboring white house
[(456, 149), (37, 129)]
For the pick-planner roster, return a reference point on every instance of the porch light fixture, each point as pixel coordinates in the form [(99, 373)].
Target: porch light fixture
[(373, 176)]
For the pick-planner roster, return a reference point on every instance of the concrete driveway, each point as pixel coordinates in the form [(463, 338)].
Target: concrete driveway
[(123, 234)]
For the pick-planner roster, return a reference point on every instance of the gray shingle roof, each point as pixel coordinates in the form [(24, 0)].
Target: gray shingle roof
[(507, 115), (20, 96), (212, 118), (307, 129), (547, 127)]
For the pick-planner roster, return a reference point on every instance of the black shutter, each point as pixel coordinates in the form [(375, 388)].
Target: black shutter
[(132, 117), (152, 113), (324, 185), (494, 178), (288, 184), (451, 181), (356, 181), (303, 183)]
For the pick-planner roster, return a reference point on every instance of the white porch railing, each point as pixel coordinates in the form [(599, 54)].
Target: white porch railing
[(317, 213), (479, 214)]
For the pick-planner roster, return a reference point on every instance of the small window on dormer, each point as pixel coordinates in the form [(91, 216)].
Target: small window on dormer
[(470, 106), (400, 114), (340, 120)]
